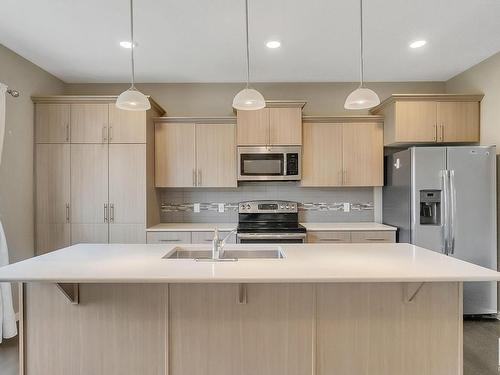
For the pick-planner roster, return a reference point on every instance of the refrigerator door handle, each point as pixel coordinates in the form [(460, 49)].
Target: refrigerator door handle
[(453, 209), (444, 210)]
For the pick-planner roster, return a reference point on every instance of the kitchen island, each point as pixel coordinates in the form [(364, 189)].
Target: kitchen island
[(321, 309)]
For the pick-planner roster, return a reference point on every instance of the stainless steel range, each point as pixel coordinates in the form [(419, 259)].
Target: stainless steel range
[(269, 222)]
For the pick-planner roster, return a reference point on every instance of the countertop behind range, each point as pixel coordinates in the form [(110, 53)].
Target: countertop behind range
[(226, 227)]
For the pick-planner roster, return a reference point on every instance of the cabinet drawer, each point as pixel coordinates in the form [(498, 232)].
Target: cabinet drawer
[(168, 237), (207, 237), (373, 236), (329, 237)]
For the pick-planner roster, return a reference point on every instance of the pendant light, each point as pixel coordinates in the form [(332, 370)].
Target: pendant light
[(248, 99), (362, 97), (132, 99)]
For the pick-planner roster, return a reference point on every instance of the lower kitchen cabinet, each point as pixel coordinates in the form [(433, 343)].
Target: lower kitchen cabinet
[(207, 237), (248, 324), (350, 237), (168, 237)]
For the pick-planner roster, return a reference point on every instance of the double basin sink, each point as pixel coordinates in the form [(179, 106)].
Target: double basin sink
[(204, 254)]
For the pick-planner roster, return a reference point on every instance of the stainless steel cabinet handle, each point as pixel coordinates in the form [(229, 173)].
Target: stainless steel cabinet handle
[(435, 132), (112, 213), (110, 133), (169, 240), (104, 133), (67, 212), (242, 294), (375, 239), (329, 239), (67, 132), (442, 132), (194, 177), (105, 213), (199, 183)]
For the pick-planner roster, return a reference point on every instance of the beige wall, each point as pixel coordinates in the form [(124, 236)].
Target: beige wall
[(483, 78), (215, 99), (16, 170)]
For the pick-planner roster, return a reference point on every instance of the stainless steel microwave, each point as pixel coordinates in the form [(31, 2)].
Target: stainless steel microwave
[(269, 163)]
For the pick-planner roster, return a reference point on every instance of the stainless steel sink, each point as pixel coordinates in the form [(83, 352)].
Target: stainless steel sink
[(229, 254)]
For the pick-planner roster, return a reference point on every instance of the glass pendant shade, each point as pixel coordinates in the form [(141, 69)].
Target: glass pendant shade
[(362, 98), (133, 100), (249, 100)]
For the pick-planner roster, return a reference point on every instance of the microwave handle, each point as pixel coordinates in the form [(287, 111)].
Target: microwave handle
[(285, 164)]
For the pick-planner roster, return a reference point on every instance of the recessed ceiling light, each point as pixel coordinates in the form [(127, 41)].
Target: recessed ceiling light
[(127, 44), (418, 44), (273, 44)]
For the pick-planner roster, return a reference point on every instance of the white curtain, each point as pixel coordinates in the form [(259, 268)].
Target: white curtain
[(8, 327)]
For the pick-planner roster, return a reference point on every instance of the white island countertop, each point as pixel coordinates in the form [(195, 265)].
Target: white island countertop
[(226, 227), (132, 263)]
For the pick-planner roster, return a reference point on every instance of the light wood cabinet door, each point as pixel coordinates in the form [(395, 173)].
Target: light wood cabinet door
[(89, 123), (373, 236), (384, 334), (277, 329), (416, 121), (52, 123), (127, 193), (52, 197), (204, 329), (175, 155), (322, 155), (126, 126), (285, 126), (89, 193), (207, 237), (458, 121), (329, 237), (253, 127), (227, 329), (169, 237), (363, 154), (216, 155)]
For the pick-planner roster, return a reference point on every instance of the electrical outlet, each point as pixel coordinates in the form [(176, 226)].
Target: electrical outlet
[(347, 207), (196, 207), (221, 207)]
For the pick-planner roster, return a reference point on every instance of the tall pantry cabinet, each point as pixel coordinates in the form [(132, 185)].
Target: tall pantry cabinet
[(90, 171)]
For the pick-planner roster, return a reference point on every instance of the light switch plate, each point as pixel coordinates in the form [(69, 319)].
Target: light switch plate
[(221, 207), (196, 207), (347, 207)]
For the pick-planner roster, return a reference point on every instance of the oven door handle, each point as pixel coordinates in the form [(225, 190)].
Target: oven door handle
[(279, 236)]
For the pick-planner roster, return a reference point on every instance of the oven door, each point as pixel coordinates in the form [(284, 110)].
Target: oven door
[(263, 238), (268, 163)]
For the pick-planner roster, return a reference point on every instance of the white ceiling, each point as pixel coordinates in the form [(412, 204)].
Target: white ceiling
[(203, 40)]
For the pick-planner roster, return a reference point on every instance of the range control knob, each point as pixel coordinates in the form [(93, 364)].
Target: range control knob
[(248, 206)]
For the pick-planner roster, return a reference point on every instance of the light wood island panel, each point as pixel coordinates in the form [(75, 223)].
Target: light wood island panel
[(244, 329)]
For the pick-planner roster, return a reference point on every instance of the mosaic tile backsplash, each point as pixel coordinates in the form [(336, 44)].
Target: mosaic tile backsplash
[(315, 204)]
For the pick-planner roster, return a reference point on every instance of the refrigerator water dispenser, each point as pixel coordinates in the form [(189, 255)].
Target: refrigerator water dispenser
[(430, 207)]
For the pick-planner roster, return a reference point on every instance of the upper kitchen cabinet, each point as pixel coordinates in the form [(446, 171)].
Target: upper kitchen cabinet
[(52, 123), (279, 124), (89, 123), (424, 119), (175, 155), (89, 119), (195, 152), (343, 151), (126, 126)]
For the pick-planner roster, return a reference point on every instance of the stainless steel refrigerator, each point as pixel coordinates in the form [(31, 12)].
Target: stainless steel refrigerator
[(444, 199)]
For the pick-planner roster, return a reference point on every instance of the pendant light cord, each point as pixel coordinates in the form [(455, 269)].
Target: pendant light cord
[(248, 51), (132, 40), (361, 54)]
